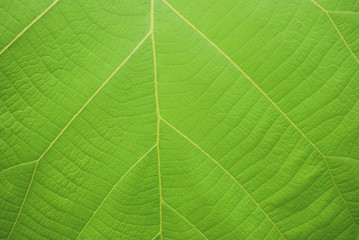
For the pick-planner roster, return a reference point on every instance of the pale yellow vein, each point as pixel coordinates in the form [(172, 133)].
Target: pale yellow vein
[(157, 111), (265, 95), (113, 188), (174, 210), (336, 28), (19, 165), (228, 173), (28, 26), (69, 123), (156, 236)]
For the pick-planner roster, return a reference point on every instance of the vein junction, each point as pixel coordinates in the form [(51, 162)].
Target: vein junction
[(335, 26)]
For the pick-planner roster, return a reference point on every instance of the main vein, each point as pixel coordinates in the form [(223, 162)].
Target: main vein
[(28, 26), (157, 111), (68, 124), (113, 188), (269, 99)]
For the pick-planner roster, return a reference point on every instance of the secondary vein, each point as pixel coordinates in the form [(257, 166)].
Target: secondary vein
[(228, 173), (336, 28), (113, 188), (18, 165), (68, 124), (175, 211), (269, 99), (28, 26)]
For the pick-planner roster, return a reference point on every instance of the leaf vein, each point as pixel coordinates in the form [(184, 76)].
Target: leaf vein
[(113, 188), (174, 210), (157, 111), (156, 236), (269, 99), (18, 165), (28, 26), (68, 124), (336, 28), (228, 173)]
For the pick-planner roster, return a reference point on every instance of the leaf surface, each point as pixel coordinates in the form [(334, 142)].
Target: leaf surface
[(179, 119)]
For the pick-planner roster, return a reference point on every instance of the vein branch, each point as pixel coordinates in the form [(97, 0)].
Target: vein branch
[(28, 26), (269, 99), (228, 173), (336, 28), (156, 236), (174, 210), (113, 188), (18, 165), (69, 123)]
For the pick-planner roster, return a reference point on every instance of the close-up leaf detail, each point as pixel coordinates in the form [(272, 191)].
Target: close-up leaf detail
[(179, 119)]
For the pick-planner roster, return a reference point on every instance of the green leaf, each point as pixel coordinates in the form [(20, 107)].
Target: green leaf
[(206, 119)]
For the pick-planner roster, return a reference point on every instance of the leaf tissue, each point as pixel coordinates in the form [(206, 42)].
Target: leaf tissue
[(179, 119)]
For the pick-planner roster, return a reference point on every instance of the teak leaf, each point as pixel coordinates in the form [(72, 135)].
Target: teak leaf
[(179, 119)]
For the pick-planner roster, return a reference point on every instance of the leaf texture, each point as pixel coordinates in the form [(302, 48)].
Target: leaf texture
[(168, 119)]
